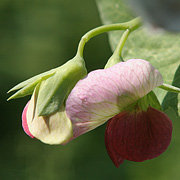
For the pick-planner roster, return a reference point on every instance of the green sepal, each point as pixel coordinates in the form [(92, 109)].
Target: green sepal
[(27, 87), (149, 100), (55, 89), (170, 88), (143, 103), (153, 101), (114, 59)]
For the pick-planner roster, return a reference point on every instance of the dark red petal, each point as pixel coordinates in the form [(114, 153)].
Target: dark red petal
[(116, 159), (24, 122), (138, 136)]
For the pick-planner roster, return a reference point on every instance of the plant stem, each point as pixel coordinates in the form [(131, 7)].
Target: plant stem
[(131, 25), (170, 88), (116, 57), (123, 39)]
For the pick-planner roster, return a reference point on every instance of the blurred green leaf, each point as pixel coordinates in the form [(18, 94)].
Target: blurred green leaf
[(161, 50), (171, 98)]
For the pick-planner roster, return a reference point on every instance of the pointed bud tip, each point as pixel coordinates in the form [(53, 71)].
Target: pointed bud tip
[(11, 97)]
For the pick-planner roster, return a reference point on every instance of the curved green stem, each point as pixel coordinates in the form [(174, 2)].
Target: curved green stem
[(131, 25), (120, 46), (116, 57)]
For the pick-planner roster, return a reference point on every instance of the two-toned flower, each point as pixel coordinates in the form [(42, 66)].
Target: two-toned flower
[(122, 95)]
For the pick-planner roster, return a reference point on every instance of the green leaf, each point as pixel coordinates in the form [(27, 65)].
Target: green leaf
[(171, 98), (161, 50)]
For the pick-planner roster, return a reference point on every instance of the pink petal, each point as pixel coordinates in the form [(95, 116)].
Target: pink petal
[(24, 121), (138, 136), (106, 92)]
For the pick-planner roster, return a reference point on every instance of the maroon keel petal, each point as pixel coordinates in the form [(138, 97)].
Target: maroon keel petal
[(116, 159), (137, 136)]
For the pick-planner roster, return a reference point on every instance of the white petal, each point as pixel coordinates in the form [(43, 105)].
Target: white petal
[(53, 129)]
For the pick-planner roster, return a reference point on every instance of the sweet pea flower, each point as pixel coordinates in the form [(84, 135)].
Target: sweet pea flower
[(44, 117), (122, 95)]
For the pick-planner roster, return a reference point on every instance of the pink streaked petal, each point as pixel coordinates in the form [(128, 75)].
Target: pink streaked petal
[(106, 92), (24, 122)]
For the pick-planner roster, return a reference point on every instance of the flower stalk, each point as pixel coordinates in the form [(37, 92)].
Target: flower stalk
[(116, 57), (131, 25)]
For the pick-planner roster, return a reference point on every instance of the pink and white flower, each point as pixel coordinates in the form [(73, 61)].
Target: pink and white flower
[(121, 95), (133, 132)]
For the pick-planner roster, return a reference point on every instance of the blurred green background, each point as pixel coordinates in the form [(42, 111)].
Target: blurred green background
[(38, 35)]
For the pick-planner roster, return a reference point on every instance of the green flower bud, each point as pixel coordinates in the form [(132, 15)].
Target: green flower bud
[(54, 85)]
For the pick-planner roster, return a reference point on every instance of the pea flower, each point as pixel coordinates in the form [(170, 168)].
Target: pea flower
[(137, 129), (44, 117)]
